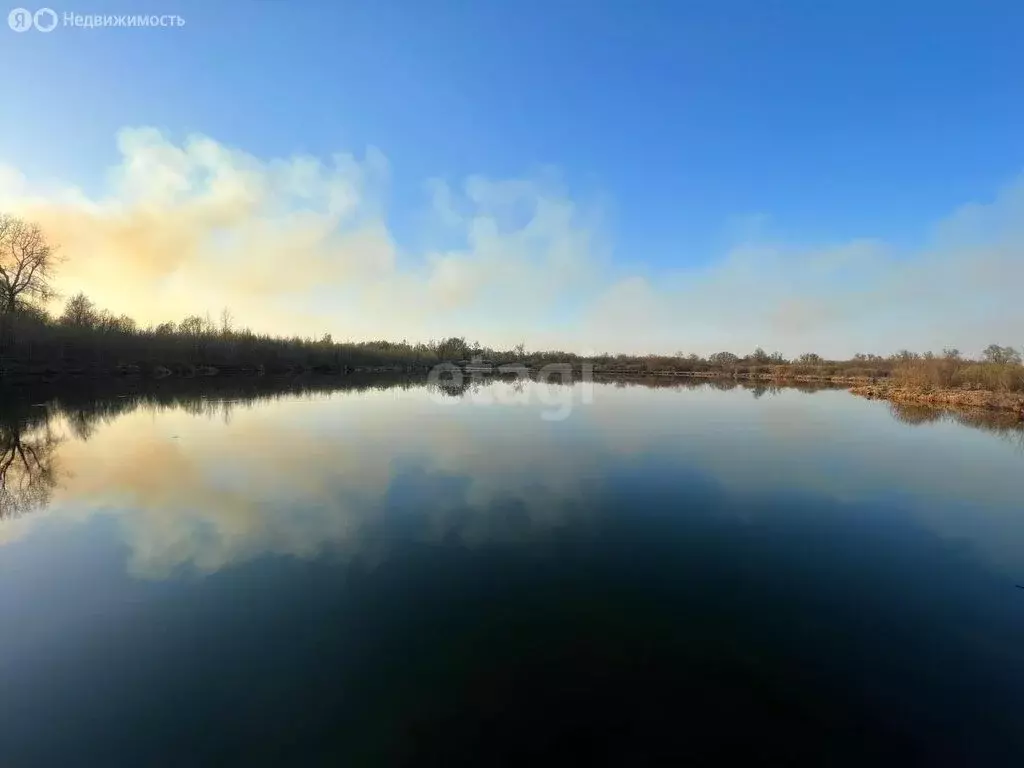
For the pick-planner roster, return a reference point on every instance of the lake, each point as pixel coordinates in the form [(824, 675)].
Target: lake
[(215, 573)]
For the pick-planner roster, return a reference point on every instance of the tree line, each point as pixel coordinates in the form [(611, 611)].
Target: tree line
[(85, 338)]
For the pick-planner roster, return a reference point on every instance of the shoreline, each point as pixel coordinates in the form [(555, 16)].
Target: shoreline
[(183, 373), (861, 386), (944, 398), (719, 375)]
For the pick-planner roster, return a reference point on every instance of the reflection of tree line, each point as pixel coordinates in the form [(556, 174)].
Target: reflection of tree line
[(210, 398), (1004, 424), (757, 388), (29, 442), (27, 469)]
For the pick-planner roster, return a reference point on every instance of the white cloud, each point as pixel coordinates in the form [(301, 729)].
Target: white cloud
[(299, 245)]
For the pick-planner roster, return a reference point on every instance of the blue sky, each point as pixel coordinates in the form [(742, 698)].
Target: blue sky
[(678, 132)]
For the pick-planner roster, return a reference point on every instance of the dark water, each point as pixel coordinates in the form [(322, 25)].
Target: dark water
[(633, 576)]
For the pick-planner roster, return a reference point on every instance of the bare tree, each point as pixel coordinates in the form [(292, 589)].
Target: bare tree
[(192, 327), (905, 356), (723, 359), (452, 348), (80, 312), (760, 356), (27, 263), (994, 353)]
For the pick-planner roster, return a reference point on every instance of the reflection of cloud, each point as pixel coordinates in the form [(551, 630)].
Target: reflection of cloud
[(201, 494), (303, 476), (204, 493), (298, 245)]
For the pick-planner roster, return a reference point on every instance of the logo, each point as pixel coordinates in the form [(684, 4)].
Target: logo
[(45, 19), (22, 20)]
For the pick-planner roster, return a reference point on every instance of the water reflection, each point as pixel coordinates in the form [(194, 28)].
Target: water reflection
[(28, 473), (206, 474), (1005, 424), (365, 575)]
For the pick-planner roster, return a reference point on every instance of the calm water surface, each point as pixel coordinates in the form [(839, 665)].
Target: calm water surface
[(395, 577)]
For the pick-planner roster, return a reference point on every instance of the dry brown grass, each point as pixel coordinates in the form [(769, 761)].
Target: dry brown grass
[(960, 398), (944, 374)]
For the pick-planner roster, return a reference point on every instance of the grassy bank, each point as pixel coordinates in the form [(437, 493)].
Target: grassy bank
[(957, 398), (952, 383)]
